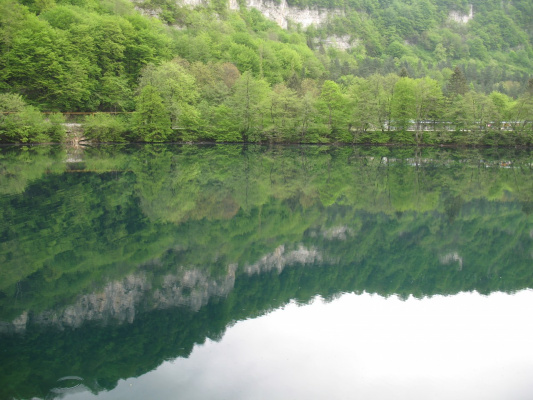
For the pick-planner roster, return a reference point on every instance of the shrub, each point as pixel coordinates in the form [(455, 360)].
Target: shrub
[(101, 127), (21, 123)]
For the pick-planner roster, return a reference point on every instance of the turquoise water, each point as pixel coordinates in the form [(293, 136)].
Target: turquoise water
[(203, 272)]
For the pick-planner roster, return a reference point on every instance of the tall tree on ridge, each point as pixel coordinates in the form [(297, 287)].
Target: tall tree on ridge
[(457, 84)]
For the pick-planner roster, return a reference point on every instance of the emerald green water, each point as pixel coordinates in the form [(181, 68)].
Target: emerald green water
[(176, 272)]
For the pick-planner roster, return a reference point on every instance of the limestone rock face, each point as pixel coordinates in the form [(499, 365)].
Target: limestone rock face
[(281, 12), (462, 18)]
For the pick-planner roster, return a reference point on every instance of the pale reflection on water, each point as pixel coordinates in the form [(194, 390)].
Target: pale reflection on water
[(465, 346)]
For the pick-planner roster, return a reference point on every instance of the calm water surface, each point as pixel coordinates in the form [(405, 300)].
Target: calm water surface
[(230, 272)]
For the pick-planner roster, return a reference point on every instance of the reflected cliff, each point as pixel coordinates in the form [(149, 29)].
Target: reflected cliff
[(119, 301), (127, 256)]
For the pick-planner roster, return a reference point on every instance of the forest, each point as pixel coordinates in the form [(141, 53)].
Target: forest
[(209, 73)]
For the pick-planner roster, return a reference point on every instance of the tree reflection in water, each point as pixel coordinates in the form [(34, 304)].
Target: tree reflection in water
[(132, 254)]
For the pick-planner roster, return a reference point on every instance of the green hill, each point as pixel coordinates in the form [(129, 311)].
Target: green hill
[(223, 71)]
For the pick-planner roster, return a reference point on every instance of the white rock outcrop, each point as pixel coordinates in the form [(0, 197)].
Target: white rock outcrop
[(280, 258), (120, 301), (462, 18), (281, 12), (337, 232), (450, 258)]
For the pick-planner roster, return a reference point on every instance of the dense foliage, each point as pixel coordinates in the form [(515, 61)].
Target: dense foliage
[(209, 73), (20, 122)]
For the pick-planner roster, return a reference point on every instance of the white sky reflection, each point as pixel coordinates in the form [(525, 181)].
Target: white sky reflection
[(465, 346)]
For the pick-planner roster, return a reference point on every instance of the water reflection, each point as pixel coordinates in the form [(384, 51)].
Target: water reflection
[(128, 256), (360, 346)]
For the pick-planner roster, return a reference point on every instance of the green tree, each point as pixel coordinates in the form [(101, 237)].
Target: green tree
[(102, 127), (477, 49), (522, 111), (364, 106), (308, 115), (333, 107), (151, 121), (114, 93), (39, 65), (458, 113), (383, 88), (22, 123), (404, 105), (457, 84), (479, 110), (249, 105), (285, 111), (13, 17), (179, 92), (245, 58), (428, 103), (440, 52), (502, 106)]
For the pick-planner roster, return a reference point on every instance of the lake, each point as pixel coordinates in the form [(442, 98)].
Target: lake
[(257, 272)]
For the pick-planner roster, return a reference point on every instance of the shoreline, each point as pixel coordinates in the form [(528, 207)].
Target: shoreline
[(288, 144)]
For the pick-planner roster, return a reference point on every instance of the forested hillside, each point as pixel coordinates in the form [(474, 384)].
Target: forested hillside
[(376, 71)]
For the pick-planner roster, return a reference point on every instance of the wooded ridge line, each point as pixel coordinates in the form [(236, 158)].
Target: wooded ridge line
[(222, 72)]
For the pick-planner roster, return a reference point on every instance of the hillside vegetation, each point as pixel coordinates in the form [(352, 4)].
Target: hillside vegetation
[(211, 73)]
